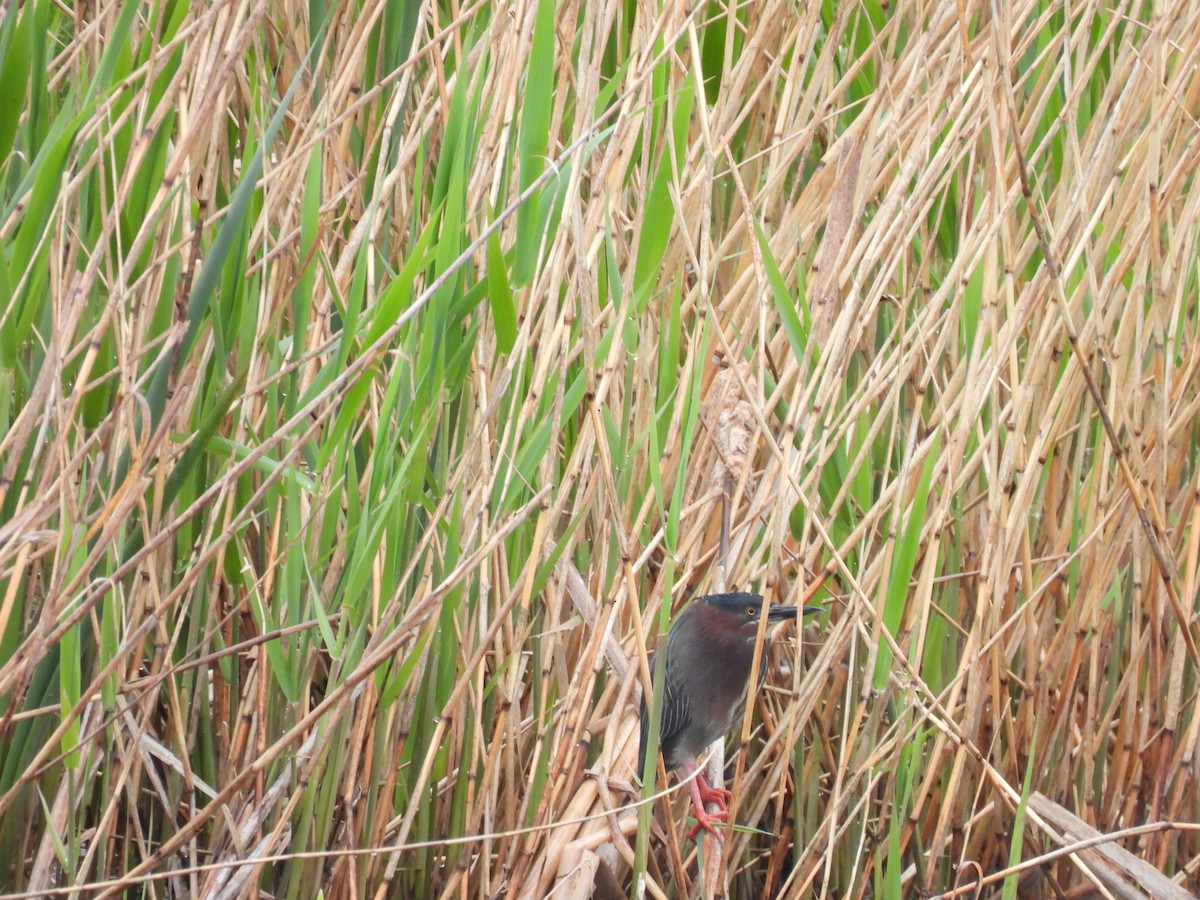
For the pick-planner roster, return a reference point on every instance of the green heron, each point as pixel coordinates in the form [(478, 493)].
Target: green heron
[(710, 649)]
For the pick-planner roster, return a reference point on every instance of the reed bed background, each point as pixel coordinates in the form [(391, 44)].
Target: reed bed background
[(374, 377)]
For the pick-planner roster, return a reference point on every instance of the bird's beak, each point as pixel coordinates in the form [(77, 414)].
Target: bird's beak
[(780, 613)]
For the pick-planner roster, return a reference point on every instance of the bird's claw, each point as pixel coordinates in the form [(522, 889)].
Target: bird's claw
[(719, 796), (705, 820)]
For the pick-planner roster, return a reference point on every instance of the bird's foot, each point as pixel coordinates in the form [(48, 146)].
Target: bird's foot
[(702, 792), (706, 820), (719, 796)]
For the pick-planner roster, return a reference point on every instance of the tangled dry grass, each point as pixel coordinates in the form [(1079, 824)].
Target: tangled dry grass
[(380, 377)]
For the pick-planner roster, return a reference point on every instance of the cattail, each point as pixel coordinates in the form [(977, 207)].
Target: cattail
[(731, 422)]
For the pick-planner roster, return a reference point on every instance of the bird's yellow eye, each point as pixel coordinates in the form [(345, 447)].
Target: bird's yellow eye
[(750, 611)]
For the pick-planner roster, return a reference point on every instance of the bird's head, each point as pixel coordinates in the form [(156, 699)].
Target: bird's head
[(738, 613)]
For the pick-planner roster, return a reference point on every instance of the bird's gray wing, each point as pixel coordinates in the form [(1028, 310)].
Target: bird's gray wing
[(676, 712)]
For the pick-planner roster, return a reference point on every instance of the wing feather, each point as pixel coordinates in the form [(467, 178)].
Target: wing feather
[(676, 712)]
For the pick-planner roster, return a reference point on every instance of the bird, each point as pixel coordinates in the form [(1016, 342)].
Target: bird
[(710, 649)]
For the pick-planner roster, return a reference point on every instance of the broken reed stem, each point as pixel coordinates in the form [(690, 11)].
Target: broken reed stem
[(733, 427)]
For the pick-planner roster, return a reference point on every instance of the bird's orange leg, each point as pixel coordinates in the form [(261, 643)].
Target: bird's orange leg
[(701, 793)]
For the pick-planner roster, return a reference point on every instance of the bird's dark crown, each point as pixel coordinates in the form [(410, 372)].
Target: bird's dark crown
[(740, 604)]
